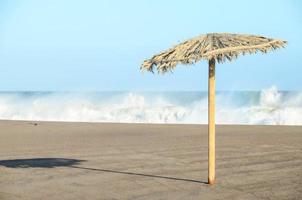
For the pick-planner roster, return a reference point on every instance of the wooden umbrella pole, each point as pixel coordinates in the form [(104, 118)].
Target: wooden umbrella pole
[(211, 122)]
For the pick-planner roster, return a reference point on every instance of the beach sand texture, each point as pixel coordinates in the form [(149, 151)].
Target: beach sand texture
[(50, 160)]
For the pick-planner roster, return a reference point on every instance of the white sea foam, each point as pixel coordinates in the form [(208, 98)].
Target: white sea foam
[(269, 106)]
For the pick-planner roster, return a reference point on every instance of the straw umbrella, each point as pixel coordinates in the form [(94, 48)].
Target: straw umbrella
[(213, 47)]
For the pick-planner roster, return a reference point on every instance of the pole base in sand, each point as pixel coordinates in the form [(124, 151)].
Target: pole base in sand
[(211, 182)]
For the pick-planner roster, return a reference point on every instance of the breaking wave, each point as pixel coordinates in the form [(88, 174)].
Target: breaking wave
[(269, 106)]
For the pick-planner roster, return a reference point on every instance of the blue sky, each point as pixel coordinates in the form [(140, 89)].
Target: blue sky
[(99, 45)]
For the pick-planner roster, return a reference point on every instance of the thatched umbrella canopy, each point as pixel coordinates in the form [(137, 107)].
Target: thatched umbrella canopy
[(217, 46), (213, 47)]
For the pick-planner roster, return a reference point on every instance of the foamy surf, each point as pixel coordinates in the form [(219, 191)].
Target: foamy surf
[(269, 107)]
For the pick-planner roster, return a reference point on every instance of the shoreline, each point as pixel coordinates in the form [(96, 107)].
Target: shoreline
[(140, 123)]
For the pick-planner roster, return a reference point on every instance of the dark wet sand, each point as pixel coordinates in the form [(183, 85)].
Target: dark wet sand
[(136, 161)]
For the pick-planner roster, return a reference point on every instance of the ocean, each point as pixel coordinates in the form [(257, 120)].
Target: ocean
[(266, 107)]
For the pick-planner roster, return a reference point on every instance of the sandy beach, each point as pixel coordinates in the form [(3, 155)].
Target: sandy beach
[(52, 160)]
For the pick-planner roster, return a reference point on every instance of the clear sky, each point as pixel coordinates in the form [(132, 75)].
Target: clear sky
[(99, 45)]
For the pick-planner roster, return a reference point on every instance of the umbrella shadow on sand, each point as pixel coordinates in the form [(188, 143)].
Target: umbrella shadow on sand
[(73, 163), (39, 163)]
